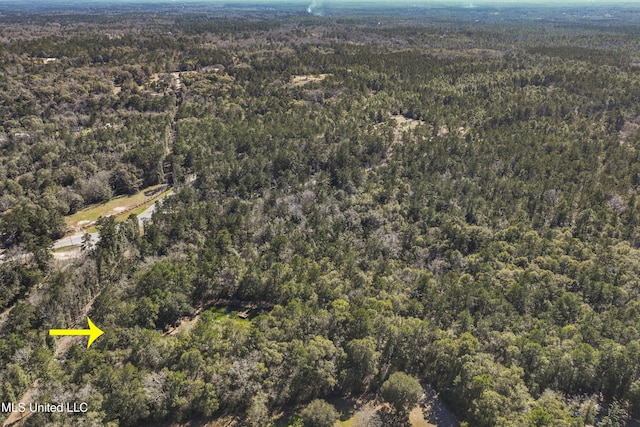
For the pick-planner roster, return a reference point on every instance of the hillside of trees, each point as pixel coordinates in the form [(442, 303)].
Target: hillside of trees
[(393, 205)]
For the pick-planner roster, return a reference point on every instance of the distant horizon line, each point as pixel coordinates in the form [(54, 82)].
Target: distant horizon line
[(606, 8), (333, 3)]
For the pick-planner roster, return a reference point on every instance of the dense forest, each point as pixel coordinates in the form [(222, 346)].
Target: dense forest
[(366, 211)]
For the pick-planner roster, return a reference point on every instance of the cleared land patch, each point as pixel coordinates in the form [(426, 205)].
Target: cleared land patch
[(429, 412), (404, 124), (120, 207), (308, 78)]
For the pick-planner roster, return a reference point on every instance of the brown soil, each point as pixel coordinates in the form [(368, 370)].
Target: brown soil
[(306, 79)]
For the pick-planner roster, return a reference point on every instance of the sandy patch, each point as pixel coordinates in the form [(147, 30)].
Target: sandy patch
[(308, 78), (176, 80), (630, 127), (19, 418), (430, 412), (416, 418), (185, 326), (73, 252), (404, 124)]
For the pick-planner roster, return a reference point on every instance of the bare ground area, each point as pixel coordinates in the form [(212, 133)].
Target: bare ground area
[(403, 124), (17, 418), (430, 412), (62, 257), (120, 207), (308, 78), (185, 326)]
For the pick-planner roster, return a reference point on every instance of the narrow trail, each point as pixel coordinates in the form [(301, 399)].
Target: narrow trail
[(171, 139), (17, 418), (64, 343), (167, 166)]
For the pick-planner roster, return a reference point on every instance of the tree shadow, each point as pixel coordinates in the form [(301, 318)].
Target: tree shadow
[(389, 417), (435, 410)]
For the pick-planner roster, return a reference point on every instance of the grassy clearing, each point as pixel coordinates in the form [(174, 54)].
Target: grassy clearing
[(121, 207), (220, 312), (217, 314), (64, 249), (143, 207)]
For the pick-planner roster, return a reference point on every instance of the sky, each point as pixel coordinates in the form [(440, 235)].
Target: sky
[(555, 3)]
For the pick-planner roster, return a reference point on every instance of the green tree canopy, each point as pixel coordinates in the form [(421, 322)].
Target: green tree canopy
[(402, 391), (319, 413)]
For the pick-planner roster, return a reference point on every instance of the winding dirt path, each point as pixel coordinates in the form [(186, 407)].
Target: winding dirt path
[(17, 418)]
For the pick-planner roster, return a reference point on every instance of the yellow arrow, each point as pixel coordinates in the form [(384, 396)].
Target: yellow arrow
[(93, 332)]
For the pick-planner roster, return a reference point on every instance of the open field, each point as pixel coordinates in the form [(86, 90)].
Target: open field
[(121, 207)]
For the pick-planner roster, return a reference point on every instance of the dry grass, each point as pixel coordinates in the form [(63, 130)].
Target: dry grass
[(416, 418), (120, 207), (404, 124), (430, 412), (308, 78)]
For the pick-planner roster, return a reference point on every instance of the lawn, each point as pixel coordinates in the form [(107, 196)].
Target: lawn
[(121, 207)]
